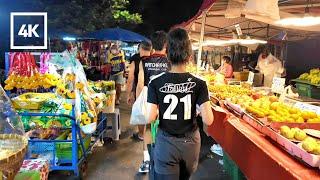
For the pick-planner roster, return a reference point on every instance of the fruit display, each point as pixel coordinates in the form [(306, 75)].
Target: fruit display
[(223, 92), (293, 133), (274, 111), (308, 143), (313, 76), (311, 145), (210, 78), (243, 100), (102, 86)]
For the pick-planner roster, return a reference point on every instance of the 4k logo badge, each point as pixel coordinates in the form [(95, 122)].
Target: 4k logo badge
[(28, 30)]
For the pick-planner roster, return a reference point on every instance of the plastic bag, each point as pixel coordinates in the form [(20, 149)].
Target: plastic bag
[(75, 87), (10, 122), (265, 9), (139, 113), (234, 9)]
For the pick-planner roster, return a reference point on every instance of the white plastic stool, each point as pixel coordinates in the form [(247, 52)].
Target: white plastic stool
[(115, 119)]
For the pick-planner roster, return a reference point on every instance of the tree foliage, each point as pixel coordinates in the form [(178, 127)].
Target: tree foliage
[(81, 16)]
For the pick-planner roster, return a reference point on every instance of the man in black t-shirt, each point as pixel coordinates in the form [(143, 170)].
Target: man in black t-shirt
[(149, 67), (144, 52), (173, 97)]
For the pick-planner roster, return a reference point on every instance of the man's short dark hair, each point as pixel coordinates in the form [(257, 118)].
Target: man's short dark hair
[(227, 59), (159, 40), (145, 45), (179, 46)]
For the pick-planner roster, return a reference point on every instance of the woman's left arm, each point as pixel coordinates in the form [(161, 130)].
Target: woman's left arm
[(152, 110)]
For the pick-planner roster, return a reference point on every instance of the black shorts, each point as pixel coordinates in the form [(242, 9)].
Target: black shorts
[(176, 156)]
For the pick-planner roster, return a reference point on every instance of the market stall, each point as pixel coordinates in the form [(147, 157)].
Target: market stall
[(265, 132), (62, 113), (257, 129)]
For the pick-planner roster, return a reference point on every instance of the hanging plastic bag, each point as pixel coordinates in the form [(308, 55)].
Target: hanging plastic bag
[(139, 113), (10, 122), (263, 10), (234, 8), (75, 88)]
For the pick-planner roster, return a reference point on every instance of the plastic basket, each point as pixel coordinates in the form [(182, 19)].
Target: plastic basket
[(110, 101), (308, 90), (44, 149), (64, 149), (231, 168)]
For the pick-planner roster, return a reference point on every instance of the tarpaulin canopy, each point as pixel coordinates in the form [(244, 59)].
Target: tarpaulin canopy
[(219, 25), (117, 34)]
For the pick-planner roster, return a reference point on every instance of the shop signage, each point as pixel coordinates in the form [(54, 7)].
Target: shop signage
[(278, 85), (307, 107)]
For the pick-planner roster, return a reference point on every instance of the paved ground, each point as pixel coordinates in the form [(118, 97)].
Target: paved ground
[(121, 160)]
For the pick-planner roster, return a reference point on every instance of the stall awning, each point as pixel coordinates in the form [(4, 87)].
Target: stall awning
[(218, 26)]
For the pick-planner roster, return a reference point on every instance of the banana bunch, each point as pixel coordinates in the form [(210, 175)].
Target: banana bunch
[(313, 76), (35, 81)]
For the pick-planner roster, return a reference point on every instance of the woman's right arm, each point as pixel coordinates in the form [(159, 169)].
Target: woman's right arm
[(204, 102), (206, 113)]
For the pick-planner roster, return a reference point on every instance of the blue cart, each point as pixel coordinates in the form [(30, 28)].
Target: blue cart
[(75, 163)]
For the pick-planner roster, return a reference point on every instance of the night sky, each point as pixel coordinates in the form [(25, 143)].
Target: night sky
[(156, 15), (163, 14)]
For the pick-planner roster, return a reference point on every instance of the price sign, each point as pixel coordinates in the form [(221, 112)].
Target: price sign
[(250, 77), (307, 107), (278, 85), (238, 29)]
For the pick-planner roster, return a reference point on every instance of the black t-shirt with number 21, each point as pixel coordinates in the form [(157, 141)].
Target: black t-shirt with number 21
[(177, 95)]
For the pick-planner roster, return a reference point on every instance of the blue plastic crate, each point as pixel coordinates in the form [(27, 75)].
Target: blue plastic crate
[(42, 149)]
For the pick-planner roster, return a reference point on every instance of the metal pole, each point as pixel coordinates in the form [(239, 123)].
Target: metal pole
[(49, 44), (204, 15)]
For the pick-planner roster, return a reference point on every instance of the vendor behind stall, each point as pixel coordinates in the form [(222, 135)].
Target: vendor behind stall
[(269, 66), (226, 68)]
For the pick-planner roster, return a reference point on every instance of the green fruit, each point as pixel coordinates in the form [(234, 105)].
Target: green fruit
[(309, 145), (284, 129), (295, 130), (316, 150), (289, 134), (300, 135)]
